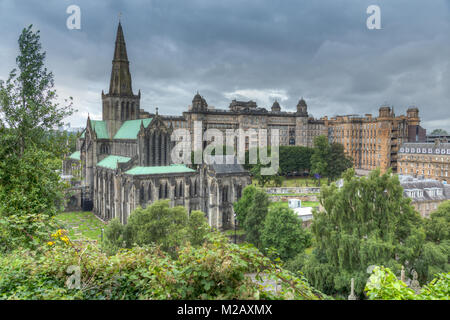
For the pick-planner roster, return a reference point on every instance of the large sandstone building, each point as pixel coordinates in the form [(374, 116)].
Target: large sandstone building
[(425, 160)]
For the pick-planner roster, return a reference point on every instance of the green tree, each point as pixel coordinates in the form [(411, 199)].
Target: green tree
[(284, 232), (320, 157), (437, 227), (439, 132), (242, 206), (30, 188), (295, 158), (339, 161), (366, 222), (329, 160), (254, 221), (384, 285), (27, 98), (198, 228), (158, 223), (435, 253), (113, 236)]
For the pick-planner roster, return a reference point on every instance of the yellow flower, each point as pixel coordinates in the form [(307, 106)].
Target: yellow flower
[(50, 243)]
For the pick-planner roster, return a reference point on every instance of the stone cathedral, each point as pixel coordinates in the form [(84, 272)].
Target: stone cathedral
[(124, 160)]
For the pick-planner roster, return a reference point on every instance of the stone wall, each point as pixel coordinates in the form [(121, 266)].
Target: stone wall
[(292, 190)]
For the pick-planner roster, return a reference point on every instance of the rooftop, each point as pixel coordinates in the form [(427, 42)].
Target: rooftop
[(175, 168), (110, 162), (130, 128)]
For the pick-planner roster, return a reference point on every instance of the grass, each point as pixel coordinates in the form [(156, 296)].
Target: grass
[(81, 225), (294, 182), (304, 203), (292, 194)]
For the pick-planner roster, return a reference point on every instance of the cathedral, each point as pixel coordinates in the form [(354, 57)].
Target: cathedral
[(124, 160)]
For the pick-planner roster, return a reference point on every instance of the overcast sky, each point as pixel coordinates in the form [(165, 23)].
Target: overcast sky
[(247, 49)]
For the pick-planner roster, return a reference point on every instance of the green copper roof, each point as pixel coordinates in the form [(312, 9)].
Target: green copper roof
[(110, 162), (175, 168), (99, 128), (75, 156), (130, 128)]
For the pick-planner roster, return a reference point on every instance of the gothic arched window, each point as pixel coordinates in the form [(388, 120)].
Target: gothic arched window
[(150, 192), (142, 195)]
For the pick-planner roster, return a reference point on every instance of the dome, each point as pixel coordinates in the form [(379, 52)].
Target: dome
[(276, 106), (302, 103)]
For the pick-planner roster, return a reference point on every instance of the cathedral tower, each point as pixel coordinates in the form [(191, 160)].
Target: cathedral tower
[(120, 104)]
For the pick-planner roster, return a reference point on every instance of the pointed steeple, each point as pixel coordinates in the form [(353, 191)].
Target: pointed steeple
[(120, 83), (120, 52)]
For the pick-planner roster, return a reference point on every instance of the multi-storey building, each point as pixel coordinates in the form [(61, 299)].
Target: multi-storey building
[(373, 142), (428, 160), (426, 194)]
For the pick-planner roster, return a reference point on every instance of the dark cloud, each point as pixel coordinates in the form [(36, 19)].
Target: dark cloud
[(249, 49)]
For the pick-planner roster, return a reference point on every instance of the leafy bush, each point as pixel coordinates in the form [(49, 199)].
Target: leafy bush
[(157, 224), (384, 285), (216, 270)]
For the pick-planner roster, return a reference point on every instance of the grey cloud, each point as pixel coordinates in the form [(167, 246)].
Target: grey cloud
[(320, 50)]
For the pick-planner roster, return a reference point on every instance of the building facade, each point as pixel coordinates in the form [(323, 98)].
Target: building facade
[(426, 194), (124, 160), (427, 160)]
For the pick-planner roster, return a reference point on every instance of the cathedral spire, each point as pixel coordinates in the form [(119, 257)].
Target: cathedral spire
[(120, 83)]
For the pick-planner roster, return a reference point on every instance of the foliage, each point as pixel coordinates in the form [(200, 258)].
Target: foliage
[(384, 285), (435, 253), (439, 132), (30, 188), (295, 159), (242, 206), (30, 194), (251, 211), (27, 98), (113, 240), (329, 160), (437, 227), (284, 232), (255, 217), (158, 223), (216, 270), (366, 222), (198, 228)]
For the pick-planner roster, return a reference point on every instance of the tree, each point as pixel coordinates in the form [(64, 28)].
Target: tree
[(435, 254), (158, 224), (366, 222), (295, 159), (437, 227), (254, 221), (284, 232), (439, 132), (384, 285), (198, 228), (320, 157), (339, 161), (27, 98), (251, 211), (329, 160), (30, 189), (242, 206)]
